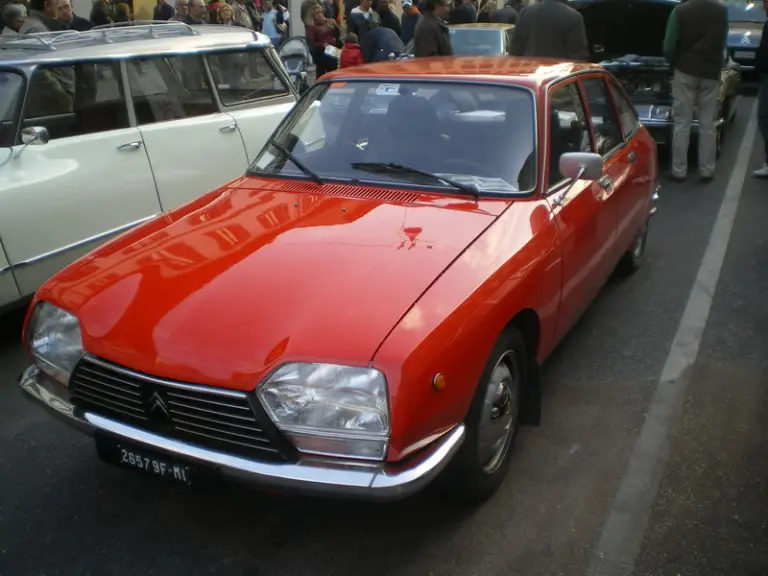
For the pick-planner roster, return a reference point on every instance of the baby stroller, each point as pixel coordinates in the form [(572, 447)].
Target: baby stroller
[(297, 59)]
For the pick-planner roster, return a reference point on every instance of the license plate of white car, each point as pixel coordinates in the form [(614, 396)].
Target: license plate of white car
[(139, 458), (744, 55)]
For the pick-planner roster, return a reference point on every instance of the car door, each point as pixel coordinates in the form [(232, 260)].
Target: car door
[(619, 159), (9, 292), (587, 225), (192, 146), (632, 201), (254, 92), (85, 178)]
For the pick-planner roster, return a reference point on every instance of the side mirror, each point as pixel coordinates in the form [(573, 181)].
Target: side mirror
[(35, 136), (581, 165), (578, 166)]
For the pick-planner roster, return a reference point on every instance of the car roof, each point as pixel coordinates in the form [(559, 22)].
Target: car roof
[(136, 40), (530, 72), (484, 25)]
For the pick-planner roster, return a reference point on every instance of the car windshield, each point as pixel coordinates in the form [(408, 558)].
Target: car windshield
[(740, 11), (10, 94), (475, 41), (479, 135)]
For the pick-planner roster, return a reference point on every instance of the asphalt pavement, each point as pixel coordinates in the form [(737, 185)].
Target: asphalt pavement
[(62, 512)]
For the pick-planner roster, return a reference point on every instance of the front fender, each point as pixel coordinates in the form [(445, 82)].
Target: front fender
[(451, 329)]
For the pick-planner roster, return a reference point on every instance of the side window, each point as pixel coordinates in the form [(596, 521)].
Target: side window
[(74, 100), (11, 94), (245, 76), (604, 118), (627, 116), (170, 88), (568, 130)]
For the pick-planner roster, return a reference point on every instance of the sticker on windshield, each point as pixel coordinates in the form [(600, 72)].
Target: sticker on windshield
[(388, 90)]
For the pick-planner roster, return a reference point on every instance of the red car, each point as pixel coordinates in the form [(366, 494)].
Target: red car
[(367, 308)]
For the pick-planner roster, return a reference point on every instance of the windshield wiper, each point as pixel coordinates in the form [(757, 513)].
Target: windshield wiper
[(394, 167), (299, 164)]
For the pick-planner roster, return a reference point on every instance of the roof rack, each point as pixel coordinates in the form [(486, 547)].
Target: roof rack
[(106, 33)]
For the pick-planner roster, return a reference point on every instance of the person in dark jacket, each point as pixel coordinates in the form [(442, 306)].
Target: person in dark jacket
[(388, 18), (162, 11), (694, 45), (351, 54), (411, 17), (431, 37), (464, 13), (379, 43), (550, 28), (505, 15), (761, 67)]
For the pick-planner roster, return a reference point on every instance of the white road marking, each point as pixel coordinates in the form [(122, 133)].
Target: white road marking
[(625, 526)]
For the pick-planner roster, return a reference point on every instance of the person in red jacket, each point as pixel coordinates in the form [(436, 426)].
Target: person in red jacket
[(351, 54)]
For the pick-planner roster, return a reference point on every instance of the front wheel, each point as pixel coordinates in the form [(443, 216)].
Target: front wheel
[(492, 423)]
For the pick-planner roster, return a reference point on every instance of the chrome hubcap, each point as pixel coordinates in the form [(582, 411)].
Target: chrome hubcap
[(500, 411)]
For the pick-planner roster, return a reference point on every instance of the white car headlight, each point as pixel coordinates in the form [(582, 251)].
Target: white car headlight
[(55, 341), (330, 410)]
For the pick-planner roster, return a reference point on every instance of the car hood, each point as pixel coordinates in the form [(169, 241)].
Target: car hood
[(225, 291), (744, 35), (618, 27)]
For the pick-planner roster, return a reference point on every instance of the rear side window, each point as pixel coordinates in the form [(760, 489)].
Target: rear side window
[(245, 77), (170, 88), (604, 118), (75, 100), (627, 116)]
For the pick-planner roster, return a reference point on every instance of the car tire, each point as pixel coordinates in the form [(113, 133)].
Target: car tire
[(633, 258), (492, 423)]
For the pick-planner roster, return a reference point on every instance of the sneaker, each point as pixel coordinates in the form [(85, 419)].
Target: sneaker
[(761, 172)]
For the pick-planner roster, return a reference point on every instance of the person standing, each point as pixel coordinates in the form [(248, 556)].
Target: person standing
[(761, 67), (464, 13), (694, 45), (431, 37), (550, 28), (196, 14), (411, 17), (13, 16), (162, 11)]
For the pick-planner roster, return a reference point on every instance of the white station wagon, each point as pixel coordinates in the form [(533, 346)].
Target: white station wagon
[(106, 129)]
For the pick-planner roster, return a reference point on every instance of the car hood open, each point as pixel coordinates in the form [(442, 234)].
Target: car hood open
[(619, 27), (226, 292)]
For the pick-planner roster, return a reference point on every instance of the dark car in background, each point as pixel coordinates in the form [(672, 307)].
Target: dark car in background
[(478, 39), (627, 38), (745, 29)]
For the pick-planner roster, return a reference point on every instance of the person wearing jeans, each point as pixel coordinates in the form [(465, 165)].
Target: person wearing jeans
[(694, 45), (761, 66)]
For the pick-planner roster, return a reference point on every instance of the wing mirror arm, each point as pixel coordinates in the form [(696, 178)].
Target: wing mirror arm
[(33, 136), (578, 166)]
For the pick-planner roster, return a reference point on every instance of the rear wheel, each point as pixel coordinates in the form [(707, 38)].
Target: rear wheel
[(482, 463)]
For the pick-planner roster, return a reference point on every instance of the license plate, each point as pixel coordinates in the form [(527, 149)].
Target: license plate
[(143, 459), (744, 55)]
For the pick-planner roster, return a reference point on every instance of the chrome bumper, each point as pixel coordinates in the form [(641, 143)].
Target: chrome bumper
[(308, 476), (654, 202)]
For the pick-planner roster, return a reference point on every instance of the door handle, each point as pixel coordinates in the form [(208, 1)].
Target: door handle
[(632, 157), (606, 184), (228, 128), (130, 145)]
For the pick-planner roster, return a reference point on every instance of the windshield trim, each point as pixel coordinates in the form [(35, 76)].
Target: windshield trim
[(253, 171)]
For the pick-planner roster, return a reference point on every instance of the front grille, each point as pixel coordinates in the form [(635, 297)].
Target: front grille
[(221, 419)]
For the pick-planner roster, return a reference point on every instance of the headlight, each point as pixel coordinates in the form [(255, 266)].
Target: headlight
[(661, 112), (55, 341), (330, 410)]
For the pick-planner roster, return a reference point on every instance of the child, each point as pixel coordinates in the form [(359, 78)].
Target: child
[(351, 55)]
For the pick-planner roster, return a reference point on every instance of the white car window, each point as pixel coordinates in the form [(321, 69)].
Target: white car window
[(170, 88), (10, 94), (245, 76), (74, 100)]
